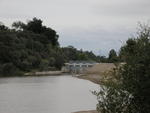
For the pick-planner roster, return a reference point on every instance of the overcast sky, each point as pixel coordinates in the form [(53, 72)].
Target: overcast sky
[(96, 25)]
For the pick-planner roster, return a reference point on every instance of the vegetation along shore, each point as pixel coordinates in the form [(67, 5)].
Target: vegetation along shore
[(29, 47), (33, 49)]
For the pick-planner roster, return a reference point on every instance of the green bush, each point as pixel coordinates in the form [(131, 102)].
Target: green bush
[(8, 69)]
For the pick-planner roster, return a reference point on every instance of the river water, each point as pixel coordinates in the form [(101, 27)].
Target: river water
[(46, 94)]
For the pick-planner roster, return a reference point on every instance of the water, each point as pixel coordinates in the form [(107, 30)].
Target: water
[(47, 94)]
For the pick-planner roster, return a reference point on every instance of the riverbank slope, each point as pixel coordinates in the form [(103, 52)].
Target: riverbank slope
[(95, 75), (44, 73), (97, 72)]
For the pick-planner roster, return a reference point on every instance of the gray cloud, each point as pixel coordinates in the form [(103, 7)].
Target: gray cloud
[(124, 8), (98, 40)]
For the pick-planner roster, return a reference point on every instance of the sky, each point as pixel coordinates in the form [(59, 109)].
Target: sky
[(93, 25)]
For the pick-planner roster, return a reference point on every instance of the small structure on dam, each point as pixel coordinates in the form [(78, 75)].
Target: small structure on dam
[(78, 67)]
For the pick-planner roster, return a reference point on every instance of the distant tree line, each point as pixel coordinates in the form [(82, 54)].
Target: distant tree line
[(32, 46)]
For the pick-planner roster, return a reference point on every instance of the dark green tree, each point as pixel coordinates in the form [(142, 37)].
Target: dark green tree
[(127, 90), (112, 56), (32, 46), (3, 27), (35, 25), (19, 25)]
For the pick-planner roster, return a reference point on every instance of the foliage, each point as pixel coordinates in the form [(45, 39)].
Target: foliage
[(19, 25), (35, 26), (3, 27), (27, 48), (33, 46), (113, 56), (127, 90), (72, 53)]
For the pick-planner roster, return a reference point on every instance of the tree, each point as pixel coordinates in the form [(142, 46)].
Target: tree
[(127, 90), (19, 25), (3, 27), (35, 25), (103, 59), (28, 48), (112, 56), (51, 35), (32, 46)]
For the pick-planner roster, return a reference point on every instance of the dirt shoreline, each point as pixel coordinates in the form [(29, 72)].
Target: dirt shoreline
[(93, 78), (95, 75), (44, 73)]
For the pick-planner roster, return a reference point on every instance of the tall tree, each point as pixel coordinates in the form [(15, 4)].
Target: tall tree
[(127, 90), (112, 56), (3, 27), (35, 25), (18, 25)]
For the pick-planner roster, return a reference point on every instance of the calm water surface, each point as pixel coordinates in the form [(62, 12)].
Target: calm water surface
[(47, 94)]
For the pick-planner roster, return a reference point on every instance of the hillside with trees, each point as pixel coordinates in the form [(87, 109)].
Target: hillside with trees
[(32, 46)]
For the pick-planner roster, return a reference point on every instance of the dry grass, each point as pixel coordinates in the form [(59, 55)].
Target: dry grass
[(100, 68), (97, 72)]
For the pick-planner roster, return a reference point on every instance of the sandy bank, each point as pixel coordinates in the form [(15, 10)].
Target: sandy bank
[(100, 68), (44, 73), (97, 72), (93, 78)]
